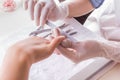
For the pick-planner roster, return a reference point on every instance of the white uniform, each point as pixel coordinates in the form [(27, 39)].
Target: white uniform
[(106, 20)]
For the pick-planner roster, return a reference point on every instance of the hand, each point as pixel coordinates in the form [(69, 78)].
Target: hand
[(22, 55), (34, 48), (43, 10), (78, 51)]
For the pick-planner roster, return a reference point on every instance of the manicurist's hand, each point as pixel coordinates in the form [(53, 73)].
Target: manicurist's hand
[(78, 51), (43, 10)]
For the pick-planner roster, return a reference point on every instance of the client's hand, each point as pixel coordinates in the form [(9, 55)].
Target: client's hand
[(35, 48), (23, 54)]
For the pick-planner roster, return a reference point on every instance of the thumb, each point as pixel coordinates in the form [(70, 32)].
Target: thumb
[(56, 41)]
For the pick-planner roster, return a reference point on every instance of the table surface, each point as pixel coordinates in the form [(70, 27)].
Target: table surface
[(113, 74)]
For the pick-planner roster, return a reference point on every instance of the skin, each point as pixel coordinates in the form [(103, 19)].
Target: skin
[(23, 54)]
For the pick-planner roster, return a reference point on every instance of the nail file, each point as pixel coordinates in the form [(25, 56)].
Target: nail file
[(53, 26)]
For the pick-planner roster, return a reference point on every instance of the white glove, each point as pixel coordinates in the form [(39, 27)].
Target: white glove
[(111, 50), (78, 51), (82, 50), (43, 10)]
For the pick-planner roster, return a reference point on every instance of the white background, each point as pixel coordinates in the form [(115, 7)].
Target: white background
[(13, 21)]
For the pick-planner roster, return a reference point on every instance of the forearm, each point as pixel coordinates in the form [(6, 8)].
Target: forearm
[(15, 67), (78, 7), (111, 50)]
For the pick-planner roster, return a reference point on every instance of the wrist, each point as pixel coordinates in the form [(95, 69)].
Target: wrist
[(63, 10), (111, 50), (19, 54), (17, 63)]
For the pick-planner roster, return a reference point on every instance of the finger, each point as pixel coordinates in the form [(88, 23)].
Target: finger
[(56, 51), (55, 42), (65, 43), (56, 32), (31, 5), (37, 13), (25, 4), (44, 15)]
